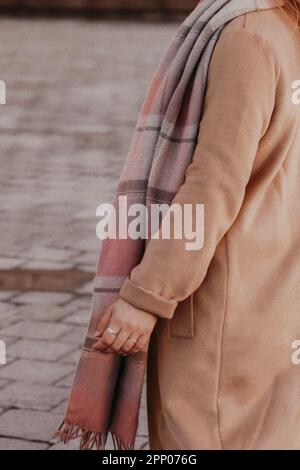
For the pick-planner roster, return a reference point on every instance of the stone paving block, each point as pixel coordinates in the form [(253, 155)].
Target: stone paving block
[(5, 307), (76, 335), (47, 266), (41, 312), (20, 444), (9, 360), (31, 396), (80, 318), (66, 382), (8, 314), (45, 298), (40, 350), (7, 294), (8, 339), (50, 254), (4, 383), (142, 426), (87, 268), (86, 288), (71, 358), (29, 425), (61, 408), (35, 371), (79, 303), (90, 244), (72, 445), (89, 258), (141, 443), (10, 263), (37, 330), (109, 443)]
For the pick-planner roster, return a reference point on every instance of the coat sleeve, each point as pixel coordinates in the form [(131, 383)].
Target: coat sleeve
[(239, 103)]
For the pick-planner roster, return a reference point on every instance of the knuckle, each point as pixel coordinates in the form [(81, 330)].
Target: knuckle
[(135, 329), (116, 319), (107, 340), (119, 325)]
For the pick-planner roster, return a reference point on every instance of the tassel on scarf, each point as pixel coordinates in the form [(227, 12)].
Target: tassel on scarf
[(89, 440)]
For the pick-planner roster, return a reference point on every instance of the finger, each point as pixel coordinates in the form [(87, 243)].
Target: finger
[(132, 342), (105, 341), (120, 340), (138, 347), (141, 345), (109, 350), (104, 322)]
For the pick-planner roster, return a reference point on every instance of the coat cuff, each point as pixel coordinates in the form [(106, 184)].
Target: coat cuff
[(146, 300)]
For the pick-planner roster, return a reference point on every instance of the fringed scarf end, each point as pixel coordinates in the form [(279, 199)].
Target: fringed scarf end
[(119, 445), (89, 440)]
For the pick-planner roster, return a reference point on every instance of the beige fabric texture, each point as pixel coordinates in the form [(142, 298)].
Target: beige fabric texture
[(220, 374)]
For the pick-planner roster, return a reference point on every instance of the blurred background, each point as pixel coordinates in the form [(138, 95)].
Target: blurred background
[(99, 7), (76, 73)]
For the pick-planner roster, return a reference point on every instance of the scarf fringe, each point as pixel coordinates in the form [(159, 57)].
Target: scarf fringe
[(89, 440)]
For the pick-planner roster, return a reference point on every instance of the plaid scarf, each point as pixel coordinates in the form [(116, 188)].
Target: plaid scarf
[(106, 393)]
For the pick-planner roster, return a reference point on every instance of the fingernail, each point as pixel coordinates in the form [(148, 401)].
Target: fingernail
[(97, 334)]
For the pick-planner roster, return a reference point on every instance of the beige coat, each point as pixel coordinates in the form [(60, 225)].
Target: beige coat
[(220, 374)]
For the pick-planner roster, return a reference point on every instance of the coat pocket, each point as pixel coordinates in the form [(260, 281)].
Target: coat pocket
[(182, 323)]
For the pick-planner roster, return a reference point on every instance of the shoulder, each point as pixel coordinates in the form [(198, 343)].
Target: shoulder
[(249, 29), (246, 60), (247, 43), (268, 32)]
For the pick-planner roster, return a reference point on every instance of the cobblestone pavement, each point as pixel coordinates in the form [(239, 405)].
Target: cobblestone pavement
[(74, 89)]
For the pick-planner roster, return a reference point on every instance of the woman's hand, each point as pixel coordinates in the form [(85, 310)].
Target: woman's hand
[(124, 329)]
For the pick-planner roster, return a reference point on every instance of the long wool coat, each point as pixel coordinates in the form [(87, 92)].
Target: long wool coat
[(220, 374)]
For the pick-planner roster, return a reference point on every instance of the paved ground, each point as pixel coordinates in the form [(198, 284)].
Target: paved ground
[(74, 89)]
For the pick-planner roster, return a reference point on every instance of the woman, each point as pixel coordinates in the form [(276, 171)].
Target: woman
[(220, 374)]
